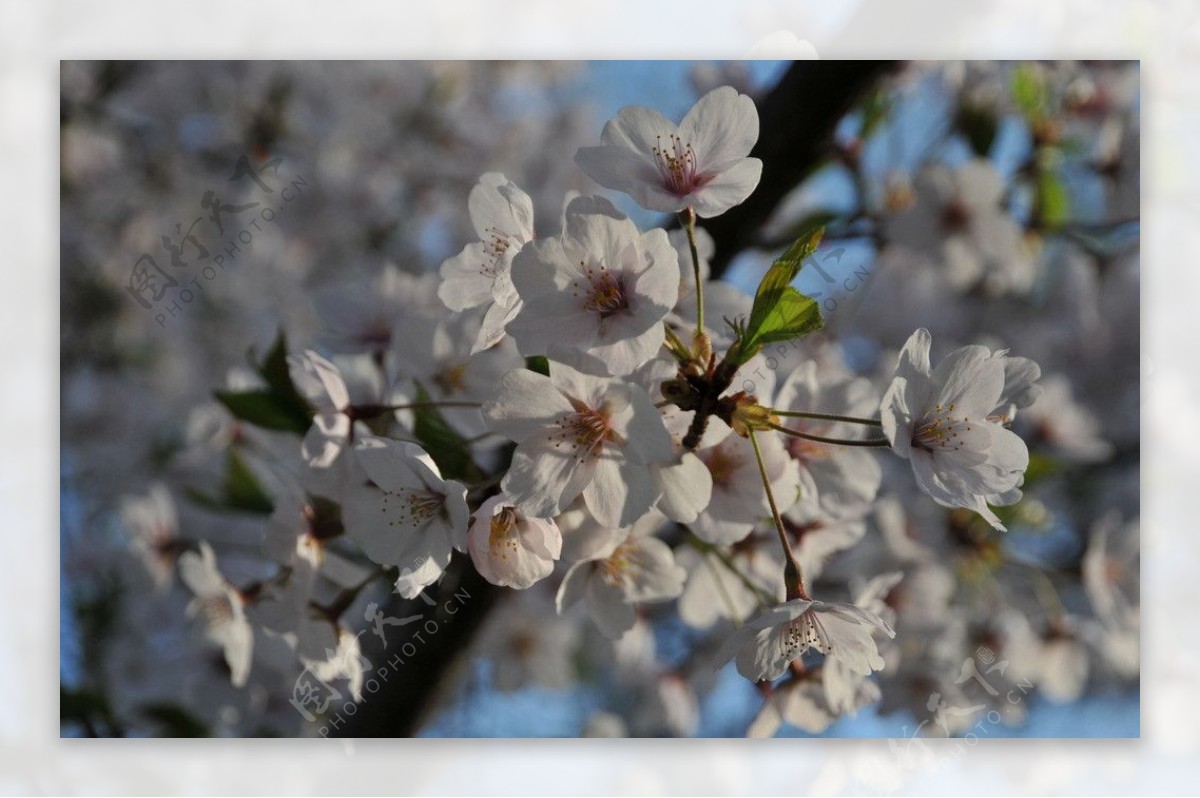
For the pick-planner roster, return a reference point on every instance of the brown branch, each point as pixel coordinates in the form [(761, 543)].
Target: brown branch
[(797, 119)]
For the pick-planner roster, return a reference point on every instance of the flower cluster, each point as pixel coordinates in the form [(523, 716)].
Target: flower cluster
[(572, 415)]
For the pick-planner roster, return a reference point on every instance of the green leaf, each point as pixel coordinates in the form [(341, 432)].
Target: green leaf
[(279, 406), (874, 111), (264, 409), (1029, 91), (793, 316), (447, 448), (88, 708), (274, 370), (1052, 202), (538, 364), (240, 490), (780, 312), (979, 125)]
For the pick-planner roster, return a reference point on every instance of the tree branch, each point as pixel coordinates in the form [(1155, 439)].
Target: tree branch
[(797, 119)]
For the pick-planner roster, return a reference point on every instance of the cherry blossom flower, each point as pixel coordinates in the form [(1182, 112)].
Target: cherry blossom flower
[(595, 297), (409, 516), (977, 240), (440, 356), (286, 611), (361, 316), (154, 531), (510, 549), (701, 164), (639, 569), (835, 481), (766, 645), (530, 644), (344, 661), (714, 592), (938, 420), (222, 608), (738, 500), (480, 275), (802, 702), (579, 434), (329, 389)]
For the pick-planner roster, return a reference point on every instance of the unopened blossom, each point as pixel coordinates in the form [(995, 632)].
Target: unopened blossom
[(407, 516), (221, 607), (480, 275), (596, 296), (639, 569), (702, 163), (579, 434), (938, 419), (766, 645), (510, 549)]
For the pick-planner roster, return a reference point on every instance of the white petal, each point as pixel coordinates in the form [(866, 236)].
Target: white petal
[(620, 491), (686, 488), (721, 127), (728, 188), (526, 405), (464, 283), (542, 480)]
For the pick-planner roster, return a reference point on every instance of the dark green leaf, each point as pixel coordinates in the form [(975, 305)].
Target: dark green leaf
[(174, 720), (240, 490), (278, 376), (87, 708), (265, 409), (979, 125), (538, 364), (447, 448)]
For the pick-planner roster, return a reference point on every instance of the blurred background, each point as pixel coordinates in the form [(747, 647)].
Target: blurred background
[(995, 203)]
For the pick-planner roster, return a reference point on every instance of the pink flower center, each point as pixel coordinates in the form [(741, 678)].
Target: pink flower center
[(802, 634), (495, 246), (722, 465), (603, 293), (612, 569), (585, 431), (410, 508), (676, 162), (939, 431)]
